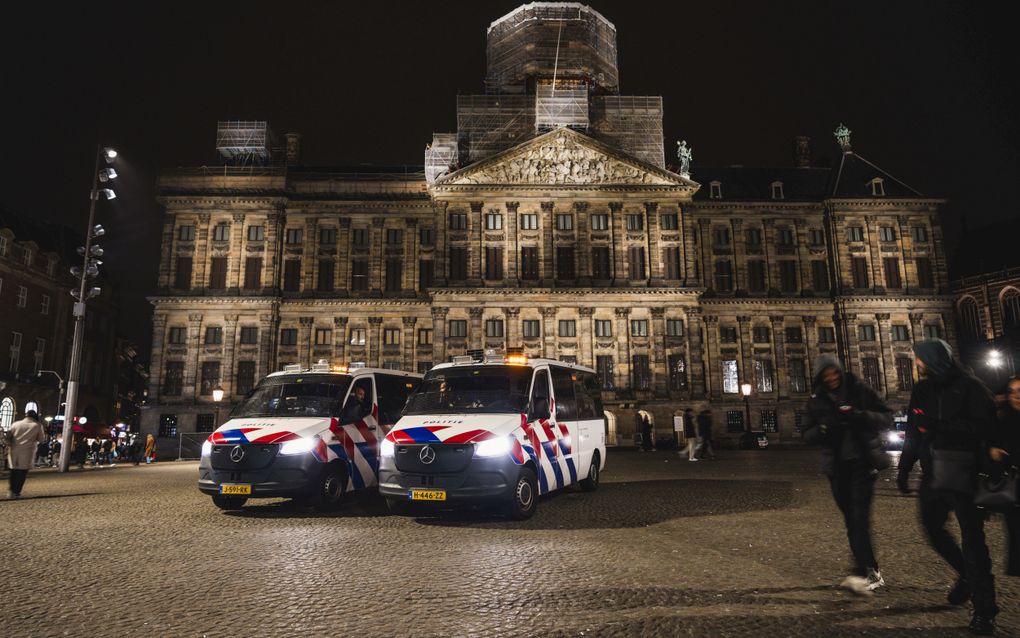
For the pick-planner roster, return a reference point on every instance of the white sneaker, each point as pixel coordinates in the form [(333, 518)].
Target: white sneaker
[(857, 584), (875, 579), (692, 459)]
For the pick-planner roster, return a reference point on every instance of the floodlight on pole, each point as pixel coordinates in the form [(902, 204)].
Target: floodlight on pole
[(109, 154), (98, 230), (106, 192), (107, 174)]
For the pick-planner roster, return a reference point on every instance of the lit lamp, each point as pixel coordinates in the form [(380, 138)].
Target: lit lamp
[(745, 389), (217, 396), (994, 359)]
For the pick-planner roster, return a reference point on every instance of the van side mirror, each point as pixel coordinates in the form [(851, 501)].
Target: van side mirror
[(539, 409)]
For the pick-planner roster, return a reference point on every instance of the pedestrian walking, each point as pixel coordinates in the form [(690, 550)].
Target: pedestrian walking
[(56, 451), (1005, 450), (23, 439), (107, 451), (42, 450), (950, 415), (690, 434), (705, 435), (846, 417), (645, 427), (135, 449), (150, 449)]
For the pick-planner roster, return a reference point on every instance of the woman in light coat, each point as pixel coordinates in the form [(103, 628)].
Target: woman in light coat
[(25, 436), (150, 448)]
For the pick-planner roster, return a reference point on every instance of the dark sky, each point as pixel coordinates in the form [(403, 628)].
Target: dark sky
[(928, 89)]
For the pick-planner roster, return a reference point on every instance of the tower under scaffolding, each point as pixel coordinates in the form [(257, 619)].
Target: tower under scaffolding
[(440, 156), (561, 104), (244, 142), (488, 124), (632, 124)]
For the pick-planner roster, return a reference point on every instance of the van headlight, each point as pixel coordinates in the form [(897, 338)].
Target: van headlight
[(388, 448), (493, 447), (206, 447), (297, 446)]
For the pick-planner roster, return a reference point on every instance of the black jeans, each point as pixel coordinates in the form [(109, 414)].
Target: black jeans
[(17, 480), (853, 486)]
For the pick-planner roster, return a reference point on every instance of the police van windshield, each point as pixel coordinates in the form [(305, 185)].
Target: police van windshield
[(313, 395), (485, 389)]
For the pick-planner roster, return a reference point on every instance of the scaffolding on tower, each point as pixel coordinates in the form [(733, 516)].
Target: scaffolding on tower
[(441, 156), (244, 142), (488, 124), (630, 123)]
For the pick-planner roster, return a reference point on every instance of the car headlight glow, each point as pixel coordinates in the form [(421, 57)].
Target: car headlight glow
[(297, 446), (206, 448), (493, 447), (388, 448)]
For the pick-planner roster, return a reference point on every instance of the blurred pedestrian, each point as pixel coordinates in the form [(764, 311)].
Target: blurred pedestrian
[(107, 451), (690, 434), (42, 450), (950, 416), (23, 438), (57, 445), (150, 449), (135, 449), (1005, 450), (847, 417), (705, 435)]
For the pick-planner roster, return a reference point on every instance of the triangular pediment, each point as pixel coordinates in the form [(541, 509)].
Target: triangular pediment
[(563, 158)]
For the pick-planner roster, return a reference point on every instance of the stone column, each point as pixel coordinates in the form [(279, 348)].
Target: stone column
[(586, 336), (156, 370), (617, 242), (623, 347), (695, 353), (376, 263), (439, 334), (907, 268), (657, 337), (375, 341), (310, 254), (705, 243), (167, 258), (190, 390), (884, 337), (343, 261), (408, 342), (810, 343), (268, 324), (655, 273), (779, 356), (440, 268), (548, 256), (853, 350), (916, 326), (582, 246), (803, 261), (746, 351), (227, 376), (410, 256), (549, 333), (512, 326), (512, 276), (476, 336), (713, 375), (235, 269), (740, 256), (476, 248), (200, 264), (340, 338), (874, 256), (305, 339), (272, 266), (769, 257)]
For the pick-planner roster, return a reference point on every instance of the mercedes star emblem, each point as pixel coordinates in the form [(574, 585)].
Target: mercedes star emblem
[(427, 455), (236, 454)]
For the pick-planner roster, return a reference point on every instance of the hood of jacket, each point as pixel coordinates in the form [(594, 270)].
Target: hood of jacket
[(937, 357)]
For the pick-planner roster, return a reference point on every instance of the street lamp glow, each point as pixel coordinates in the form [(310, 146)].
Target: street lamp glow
[(217, 394), (109, 153), (745, 389)]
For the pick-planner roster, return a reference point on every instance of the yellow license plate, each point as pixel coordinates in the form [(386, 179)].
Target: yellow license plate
[(428, 495), (235, 489)]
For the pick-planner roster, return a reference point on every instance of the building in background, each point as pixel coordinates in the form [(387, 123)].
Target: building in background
[(548, 221)]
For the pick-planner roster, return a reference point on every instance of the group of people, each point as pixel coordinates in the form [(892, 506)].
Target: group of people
[(954, 432), (107, 451)]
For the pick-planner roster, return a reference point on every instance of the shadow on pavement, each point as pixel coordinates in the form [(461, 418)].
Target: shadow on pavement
[(47, 496), (635, 504), (358, 507)]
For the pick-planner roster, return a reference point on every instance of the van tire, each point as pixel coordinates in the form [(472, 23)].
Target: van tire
[(524, 497), (591, 483), (228, 503), (329, 490)]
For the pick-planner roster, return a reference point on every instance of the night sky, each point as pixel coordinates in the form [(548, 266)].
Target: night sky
[(928, 89)]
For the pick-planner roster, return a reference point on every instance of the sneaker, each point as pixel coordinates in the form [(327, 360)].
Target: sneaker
[(692, 459), (960, 593), (856, 584), (875, 579), (982, 625)]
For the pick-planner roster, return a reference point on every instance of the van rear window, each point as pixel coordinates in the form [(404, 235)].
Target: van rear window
[(485, 389)]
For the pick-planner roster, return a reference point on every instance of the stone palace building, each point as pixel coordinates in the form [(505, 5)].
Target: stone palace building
[(549, 221)]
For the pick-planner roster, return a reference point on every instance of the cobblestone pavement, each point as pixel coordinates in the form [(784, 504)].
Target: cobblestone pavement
[(748, 544)]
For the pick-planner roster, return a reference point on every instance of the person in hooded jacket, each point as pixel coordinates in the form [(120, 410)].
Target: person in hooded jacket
[(1005, 450), (846, 417), (951, 411)]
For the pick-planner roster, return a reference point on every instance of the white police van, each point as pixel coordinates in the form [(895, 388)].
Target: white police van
[(495, 430), (310, 434)]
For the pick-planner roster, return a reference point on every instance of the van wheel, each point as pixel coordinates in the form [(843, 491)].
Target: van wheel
[(591, 483), (329, 493), (524, 498), (229, 502)]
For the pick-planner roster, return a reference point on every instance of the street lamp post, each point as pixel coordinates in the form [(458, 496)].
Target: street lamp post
[(60, 389), (745, 389), (90, 268)]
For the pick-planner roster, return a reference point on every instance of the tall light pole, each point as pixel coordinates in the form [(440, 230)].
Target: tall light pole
[(745, 389), (60, 389), (89, 269)]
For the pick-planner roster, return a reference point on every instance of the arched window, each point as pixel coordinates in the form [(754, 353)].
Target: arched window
[(6, 413), (970, 320), (1011, 308)]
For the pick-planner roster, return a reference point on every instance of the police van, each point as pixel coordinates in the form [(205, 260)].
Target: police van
[(309, 434), (495, 429)]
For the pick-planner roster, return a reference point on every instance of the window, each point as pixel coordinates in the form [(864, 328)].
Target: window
[(205, 422), (721, 237), (816, 237), (493, 327), (769, 422), (635, 222), (256, 233), (641, 373), (323, 337), (424, 366), (925, 276), (458, 221), (826, 334), (494, 264), (891, 265), (359, 237), (756, 275), (877, 187), (394, 236), (426, 274), (295, 236), (177, 335), (186, 233), (327, 236), (723, 275), (604, 371), (324, 282), (288, 337), (493, 220), (394, 275), (970, 319), (249, 335), (855, 233), (859, 270), (869, 370), (391, 336), (600, 263), (221, 232), (44, 305), (730, 379), (819, 275), (531, 328), (426, 236), (564, 221), (7, 405), (529, 263), (37, 356), (252, 273), (777, 190), (210, 378), (866, 332), (529, 221), (292, 275), (919, 234), (727, 334), (568, 328), (671, 262), (636, 262), (669, 221), (798, 375), (359, 275), (715, 190), (213, 336), (639, 327), (932, 331), (245, 377), (677, 369), (788, 275), (886, 233), (1010, 301), (182, 278), (458, 327), (357, 337), (794, 335), (784, 237), (458, 264), (603, 328), (904, 374), (424, 336), (565, 270), (168, 425), (22, 296), (899, 333), (761, 334), (674, 327), (173, 378), (218, 273), (752, 237)]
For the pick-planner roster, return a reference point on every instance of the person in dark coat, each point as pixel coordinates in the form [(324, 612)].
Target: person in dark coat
[(846, 417), (646, 432), (1005, 450), (950, 410), (690, 434), (705, 435)]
